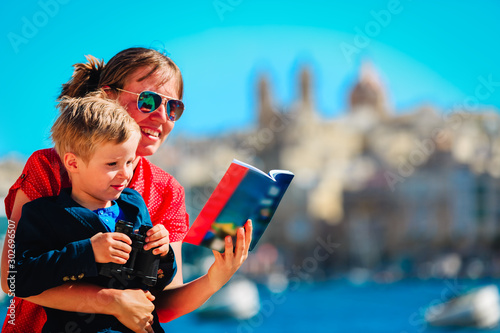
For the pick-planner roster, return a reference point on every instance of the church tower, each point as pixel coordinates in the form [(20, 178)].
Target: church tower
[(265, 104), (305, 89), (368, 93)]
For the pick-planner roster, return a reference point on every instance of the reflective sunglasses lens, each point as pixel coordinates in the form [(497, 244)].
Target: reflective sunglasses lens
[(148, 101), (174, 109)]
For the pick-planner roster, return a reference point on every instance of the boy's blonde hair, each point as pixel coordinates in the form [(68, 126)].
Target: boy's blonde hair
[(85, 123)]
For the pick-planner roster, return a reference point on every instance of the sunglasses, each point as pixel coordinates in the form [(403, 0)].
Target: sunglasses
[(150, 101)]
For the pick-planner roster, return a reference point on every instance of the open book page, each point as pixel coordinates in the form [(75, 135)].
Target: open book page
[(243, 193), (272, 174)]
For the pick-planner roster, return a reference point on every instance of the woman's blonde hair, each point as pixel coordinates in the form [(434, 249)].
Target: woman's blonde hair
[(85, 123), (94, 74)]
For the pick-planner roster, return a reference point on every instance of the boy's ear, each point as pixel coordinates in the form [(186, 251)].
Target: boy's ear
[(71, 162)]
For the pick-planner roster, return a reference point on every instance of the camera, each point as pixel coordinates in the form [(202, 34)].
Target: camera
[(141, 264)]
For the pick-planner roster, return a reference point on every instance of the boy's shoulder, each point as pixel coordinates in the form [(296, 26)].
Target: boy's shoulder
[(133, 197), (41, 205), (130, 194), (50, 203), (43, 200)]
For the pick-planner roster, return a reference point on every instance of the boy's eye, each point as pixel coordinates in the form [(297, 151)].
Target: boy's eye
[(112, 164)]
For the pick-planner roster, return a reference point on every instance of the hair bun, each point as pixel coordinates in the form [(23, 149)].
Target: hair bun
[(85, 78)]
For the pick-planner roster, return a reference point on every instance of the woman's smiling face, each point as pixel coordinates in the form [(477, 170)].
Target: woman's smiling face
[(155, 126)]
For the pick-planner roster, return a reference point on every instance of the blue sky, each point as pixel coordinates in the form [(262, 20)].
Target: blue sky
[(425, 51)]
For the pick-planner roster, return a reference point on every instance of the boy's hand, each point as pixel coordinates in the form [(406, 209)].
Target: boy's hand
[(111, 247), (157, 239)]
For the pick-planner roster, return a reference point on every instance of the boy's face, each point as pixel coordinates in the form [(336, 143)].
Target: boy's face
[(106, 174)]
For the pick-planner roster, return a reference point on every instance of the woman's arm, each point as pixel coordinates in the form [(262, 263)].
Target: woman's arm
[(21, 199), (132, 307), (178, 300), (178, 279)]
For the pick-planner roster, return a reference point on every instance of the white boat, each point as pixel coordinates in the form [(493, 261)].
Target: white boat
[(478, 308), (239, 299)]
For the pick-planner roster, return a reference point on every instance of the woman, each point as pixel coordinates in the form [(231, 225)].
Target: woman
[(149, 85)]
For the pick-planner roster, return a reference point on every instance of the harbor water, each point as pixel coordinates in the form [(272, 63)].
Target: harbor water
[(341, 306)]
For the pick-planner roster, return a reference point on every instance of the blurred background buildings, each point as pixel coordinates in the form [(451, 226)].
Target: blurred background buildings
[(387, 186), (412, 193), (394, 194), (380, 196)]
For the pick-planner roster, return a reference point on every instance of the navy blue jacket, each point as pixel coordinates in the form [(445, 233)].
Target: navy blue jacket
[(53, 247)]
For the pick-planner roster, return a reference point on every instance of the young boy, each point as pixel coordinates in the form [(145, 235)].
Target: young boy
[(71, 236)]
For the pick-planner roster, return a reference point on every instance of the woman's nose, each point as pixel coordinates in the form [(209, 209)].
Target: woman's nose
[(161, 113)]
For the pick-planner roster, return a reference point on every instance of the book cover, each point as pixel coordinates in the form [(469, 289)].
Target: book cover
[(244, 192)]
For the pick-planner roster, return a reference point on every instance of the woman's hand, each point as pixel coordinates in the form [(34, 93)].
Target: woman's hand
[(132, 307), (227, 263), (157, 239), (172, 304)]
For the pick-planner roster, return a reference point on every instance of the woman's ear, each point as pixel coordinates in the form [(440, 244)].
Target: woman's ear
[(71, 162), (109, 93)]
